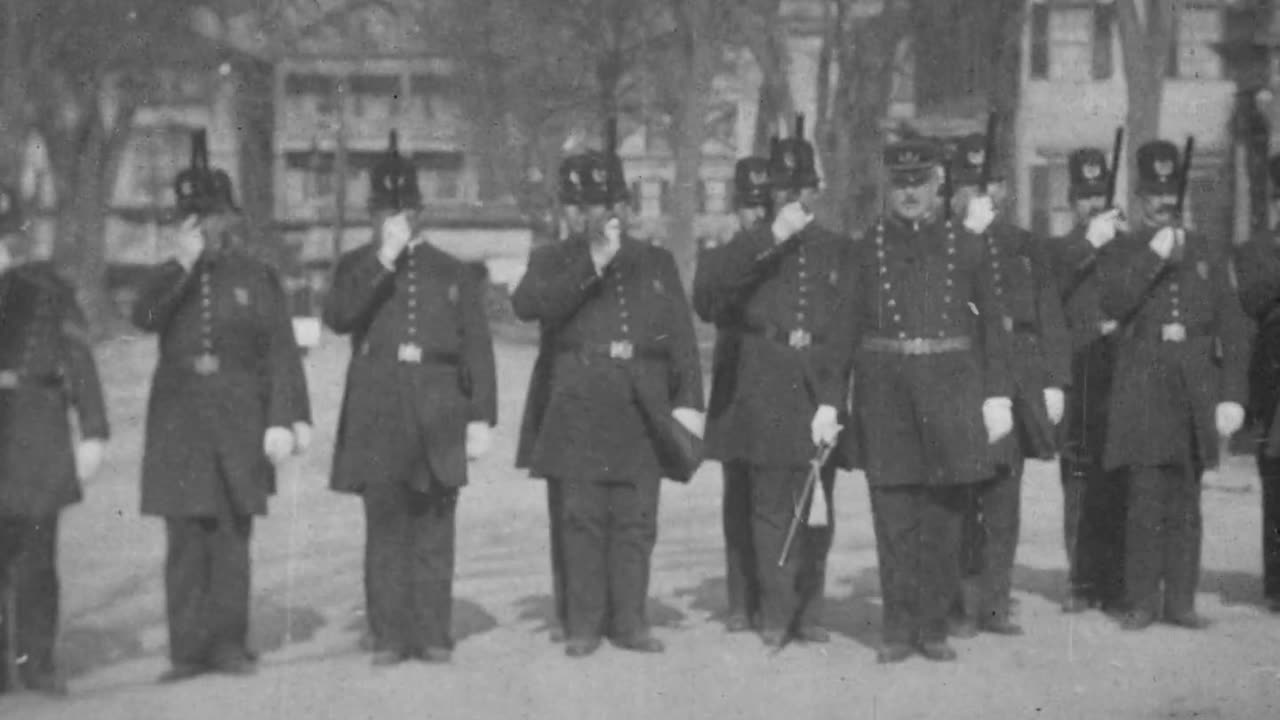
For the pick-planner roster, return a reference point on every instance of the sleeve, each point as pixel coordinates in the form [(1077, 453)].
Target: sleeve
[(360, 285), (834, 358), (731, 273), (1055, 338), (686, 364), (1258, 273), (477, 351), (558, 280), (1126, 278), (163, 291), (1235, 335), (288, 399), (1073, 260), (995, 343), (82, 372)]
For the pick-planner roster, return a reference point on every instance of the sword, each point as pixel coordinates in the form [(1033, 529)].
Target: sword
[(798, 512)]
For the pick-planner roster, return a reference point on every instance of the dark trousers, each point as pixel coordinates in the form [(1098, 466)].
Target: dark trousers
[(741, 584), (1269, 472), (1093, 529), (1162, 539), (992, 516), (610, 529), (555, 517), (28, 568), (918, 532), (409, 558), (206, 581)]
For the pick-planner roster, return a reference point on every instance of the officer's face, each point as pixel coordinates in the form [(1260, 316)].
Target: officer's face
[(575, 218), (749, 216), (1087, 207), (914, 201), (1158, 209)]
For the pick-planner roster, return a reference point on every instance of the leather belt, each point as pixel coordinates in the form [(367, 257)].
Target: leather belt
[(616, 350), (1177, 333), (409, 353), (917, 346), (1021, 327), (796, 339)]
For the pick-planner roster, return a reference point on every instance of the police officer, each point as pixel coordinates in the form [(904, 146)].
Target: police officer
[(420, 401), (1093, 499), (1031, 312), (920, 326), (1258, 272), (573, 219), (227, 405), (753, 201), (776, 284), (615, 315), (1171, 400), (46, 368)]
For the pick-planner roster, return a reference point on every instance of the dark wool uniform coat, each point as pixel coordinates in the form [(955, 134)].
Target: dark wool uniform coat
[(918, 418), (1025, 289), (46, 366), (764, 398), (432, 301), (598, 410), (205, 429), (1165, 393), (1258, 274)]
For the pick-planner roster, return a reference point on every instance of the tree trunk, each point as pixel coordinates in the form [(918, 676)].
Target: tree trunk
[(13, 124), (1146, 36), (1007, 82), (688, 133), (767, 42)]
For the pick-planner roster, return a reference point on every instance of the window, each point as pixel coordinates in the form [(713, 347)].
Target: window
[(1192, 56), (375, 97), (1072, 40), (440, 175), (155, 155), (1071, 43), (433, 96), (1051, 213), (311, 95)]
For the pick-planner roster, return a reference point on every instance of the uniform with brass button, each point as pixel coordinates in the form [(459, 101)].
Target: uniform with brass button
[(625, 360), (920, 329), (1093, 500), (46, 368), (227, 399), (1180, 383), (1025, 291), (419, 402), (775, 293)]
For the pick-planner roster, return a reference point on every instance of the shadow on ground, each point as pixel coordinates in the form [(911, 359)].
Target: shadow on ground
[(540, 609), (854, 614), (469, 619)]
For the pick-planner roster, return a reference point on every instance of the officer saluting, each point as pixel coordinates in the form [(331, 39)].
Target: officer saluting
[(1093, 499), (921, 328), (224, 410), (615, 316), (420, 401), (1170, 289), (1025, 292), (775, 284), (46, 367), (1258, 270)]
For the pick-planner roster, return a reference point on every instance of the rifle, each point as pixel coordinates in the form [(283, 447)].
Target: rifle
[(1187, 152), (393, 161), (989, 150), (815, 474), (1116, 146)]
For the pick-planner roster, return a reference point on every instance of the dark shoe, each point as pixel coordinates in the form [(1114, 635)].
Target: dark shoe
[(773, 639), (368, 643), (938, 651), (1076, 604), (813, 634), (581, 647), (180, 672), (556, 633), (737, 622), (235, 664), (1190, 621), (1137, 620), (642, 642), (1000, 626), (387, 658), (1273, 605), (436, 655), (890, 653), (962, 628)]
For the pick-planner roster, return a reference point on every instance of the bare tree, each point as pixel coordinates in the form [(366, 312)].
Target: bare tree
[(1147, 30), (764, 32)]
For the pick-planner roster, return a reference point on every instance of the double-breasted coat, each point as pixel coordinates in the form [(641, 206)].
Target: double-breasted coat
[(774, 302), (46, 367), (228, 369), (620, 346), (1258, 276), (1183, 347), (422, 368)]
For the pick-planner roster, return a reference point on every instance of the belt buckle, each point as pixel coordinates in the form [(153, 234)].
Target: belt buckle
[(1106, 327), (914, 346), (410, 353), (8, 379), (621, 350), (1173, 332), (1007, 321), (799, 339), (206, 364)]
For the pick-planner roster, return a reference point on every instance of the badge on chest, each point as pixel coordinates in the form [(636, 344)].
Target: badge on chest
[(410, 353), (242, 296)]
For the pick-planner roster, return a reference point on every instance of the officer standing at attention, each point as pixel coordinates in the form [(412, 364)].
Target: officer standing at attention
[(46, 368), (614, 313), (224, 411), (1180, 385), (920, 327), (1030, 307), (775, 283), (420, 401), (1093, 500)]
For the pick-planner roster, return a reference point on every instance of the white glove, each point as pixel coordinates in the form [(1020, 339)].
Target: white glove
[(1102, 228), (791, 219), (301, 437), (1056, 403), (980, 214), (692, 420), (479, 439), (1229, 417), (396, 234), (825, 427), (89, 457), (997, 415), (1164, 240), (189, 243), (277, 443)]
